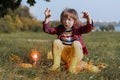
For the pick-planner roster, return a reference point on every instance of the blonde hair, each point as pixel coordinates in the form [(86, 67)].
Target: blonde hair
[(69, 13)]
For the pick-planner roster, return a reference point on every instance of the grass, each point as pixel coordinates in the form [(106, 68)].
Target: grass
[(103, 47)]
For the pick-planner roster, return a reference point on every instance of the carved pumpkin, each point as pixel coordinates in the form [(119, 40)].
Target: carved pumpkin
[(35, 55)]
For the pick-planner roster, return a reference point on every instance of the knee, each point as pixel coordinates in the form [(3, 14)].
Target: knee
[(77, 48), (57, 43), (77, 44)]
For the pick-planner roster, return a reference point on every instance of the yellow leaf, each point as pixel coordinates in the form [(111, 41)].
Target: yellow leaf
[(25, 65), (14, 58)]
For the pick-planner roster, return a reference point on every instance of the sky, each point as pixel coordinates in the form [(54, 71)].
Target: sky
[(99, 10)]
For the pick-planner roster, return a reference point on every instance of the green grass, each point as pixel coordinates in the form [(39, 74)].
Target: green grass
[(103, 47)]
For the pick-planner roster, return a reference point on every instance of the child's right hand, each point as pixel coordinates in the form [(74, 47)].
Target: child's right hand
[(47, 13)]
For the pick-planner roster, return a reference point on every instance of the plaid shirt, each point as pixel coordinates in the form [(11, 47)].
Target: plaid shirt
[(77, 32)]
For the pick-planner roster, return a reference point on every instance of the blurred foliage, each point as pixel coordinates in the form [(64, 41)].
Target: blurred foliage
[(20, 20), (108, 27), (8, 4), (5, 5), (54, 23), (22, 11)]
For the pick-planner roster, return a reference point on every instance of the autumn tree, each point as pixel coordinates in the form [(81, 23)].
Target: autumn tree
[(19, 20), (21, 11), (5, 5)]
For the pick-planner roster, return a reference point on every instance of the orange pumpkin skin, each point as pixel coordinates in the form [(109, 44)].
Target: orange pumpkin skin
[(35, 55)]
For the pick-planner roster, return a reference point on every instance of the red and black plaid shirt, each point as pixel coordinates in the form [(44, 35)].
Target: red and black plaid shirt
[(77, 31)]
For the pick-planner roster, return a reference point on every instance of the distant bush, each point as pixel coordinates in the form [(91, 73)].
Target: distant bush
[(7, 24), (13, 24), (19, 20), (16, 23), (108, 27), (5, 28), (54, 23)]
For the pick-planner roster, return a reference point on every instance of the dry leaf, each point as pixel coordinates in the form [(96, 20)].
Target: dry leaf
[(25, 65)]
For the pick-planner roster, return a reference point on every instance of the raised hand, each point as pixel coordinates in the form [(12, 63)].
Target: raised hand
[(85, 15), (47, 13)]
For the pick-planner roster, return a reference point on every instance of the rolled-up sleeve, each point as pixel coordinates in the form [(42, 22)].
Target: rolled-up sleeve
[(86, 28)]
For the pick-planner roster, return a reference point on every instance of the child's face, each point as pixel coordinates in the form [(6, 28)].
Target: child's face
[(68, 22)]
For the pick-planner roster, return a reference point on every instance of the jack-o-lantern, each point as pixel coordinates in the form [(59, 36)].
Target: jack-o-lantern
[(34, 55)]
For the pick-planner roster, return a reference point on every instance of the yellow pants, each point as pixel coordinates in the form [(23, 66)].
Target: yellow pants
[(69, 54)]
